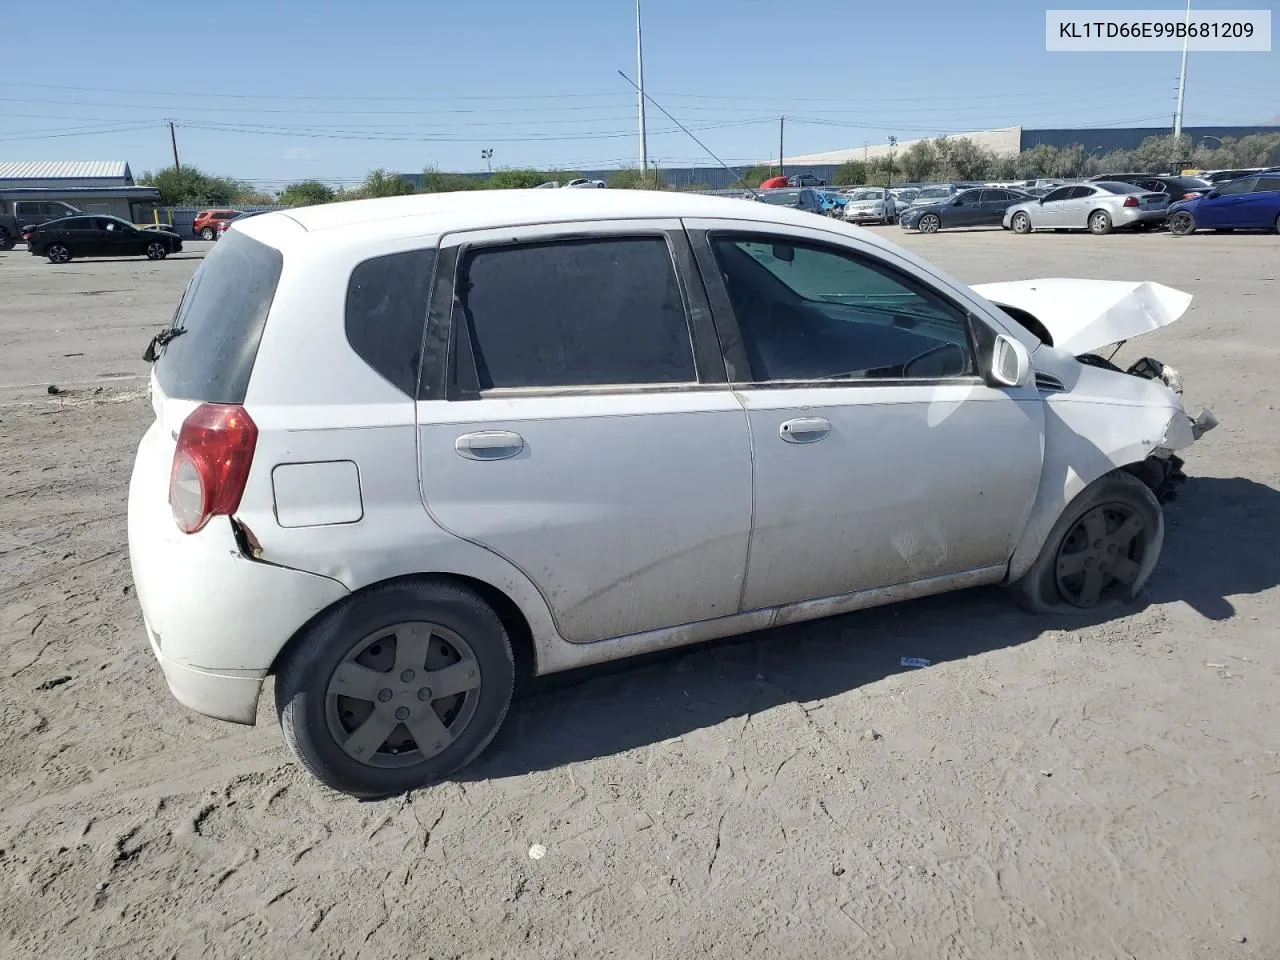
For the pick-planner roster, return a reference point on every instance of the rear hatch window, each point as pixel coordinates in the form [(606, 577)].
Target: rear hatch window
[(219, 322)]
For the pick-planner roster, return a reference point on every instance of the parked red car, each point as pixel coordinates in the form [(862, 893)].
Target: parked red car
[(206, 223)]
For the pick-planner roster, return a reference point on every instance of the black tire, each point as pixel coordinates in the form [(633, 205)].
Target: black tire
[(1020, 222), (311, 710), (1277, 224), (1182, 224), (208, 233), (6, 240), (1050, 586), (929, 223), (156, 250), (58, 253), (1099, 223)]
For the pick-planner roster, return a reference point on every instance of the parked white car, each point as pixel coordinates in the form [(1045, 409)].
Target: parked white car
[(402, 446), (870, 205)]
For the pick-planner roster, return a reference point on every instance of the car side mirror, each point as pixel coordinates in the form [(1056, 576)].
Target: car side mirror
[(1211, 194), (1010, 362)]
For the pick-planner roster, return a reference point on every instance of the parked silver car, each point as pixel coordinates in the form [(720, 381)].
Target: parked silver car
[(1097, 207), (870, 205)]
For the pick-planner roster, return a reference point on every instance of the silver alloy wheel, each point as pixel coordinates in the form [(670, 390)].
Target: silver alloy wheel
[(207, 233), (1021, 223), (1099, 223), (403, 694), (1102, 555), (930, 223)]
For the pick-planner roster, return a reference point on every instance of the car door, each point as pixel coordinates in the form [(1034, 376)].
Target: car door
[(1075, 208), (586, 431), (1050, 213), (994, 203), (1226, 209), (1265, 202), (881, 456), (962, 209)]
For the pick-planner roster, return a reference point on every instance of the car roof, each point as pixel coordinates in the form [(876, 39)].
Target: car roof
[(421, 215)]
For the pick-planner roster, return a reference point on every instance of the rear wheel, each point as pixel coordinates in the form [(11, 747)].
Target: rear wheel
[(1021, 223), (6, 240), (396, 688), (156, 250), (57, 253), (1100, 553), (208, 233), (1277, 224), (1099, 223), (1182, 223), (930, 223)]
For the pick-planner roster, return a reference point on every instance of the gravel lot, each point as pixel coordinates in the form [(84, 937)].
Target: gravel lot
[(1048, 789)]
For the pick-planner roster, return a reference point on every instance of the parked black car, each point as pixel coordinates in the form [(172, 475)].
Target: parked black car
[(979, 207), (1175, 187), (62, 240), (806, 180), (803, 199)]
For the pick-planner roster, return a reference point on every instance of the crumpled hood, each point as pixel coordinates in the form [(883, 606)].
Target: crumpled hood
[(1083, 315)]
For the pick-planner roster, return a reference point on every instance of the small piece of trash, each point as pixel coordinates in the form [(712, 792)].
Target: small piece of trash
[(537, 852), (54, 391), (1241, 939), (1046, 773), (643, 821), (837, 870), (870, 734), (916, 662), (54, 682), (1216, 666)]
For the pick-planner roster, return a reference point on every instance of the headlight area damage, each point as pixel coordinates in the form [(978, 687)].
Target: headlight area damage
[(1079, 317)]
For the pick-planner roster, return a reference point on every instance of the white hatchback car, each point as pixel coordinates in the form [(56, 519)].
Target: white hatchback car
[(403, 445)]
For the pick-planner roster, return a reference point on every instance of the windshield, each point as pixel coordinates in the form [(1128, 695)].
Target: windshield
[(782, 198), (867, 195)]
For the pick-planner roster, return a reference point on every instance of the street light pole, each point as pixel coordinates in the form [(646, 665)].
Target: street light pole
[(893, 142), (644, 147), (1182, 85)]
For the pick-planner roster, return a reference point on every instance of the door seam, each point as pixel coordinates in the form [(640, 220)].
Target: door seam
[(751, 525)]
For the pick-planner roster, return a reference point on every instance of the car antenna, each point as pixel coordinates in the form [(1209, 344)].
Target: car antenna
[(727, 168)]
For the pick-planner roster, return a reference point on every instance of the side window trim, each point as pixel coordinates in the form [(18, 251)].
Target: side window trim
[(449, 333), (729, 330)]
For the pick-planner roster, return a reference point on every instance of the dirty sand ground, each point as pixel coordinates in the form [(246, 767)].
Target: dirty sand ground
[(1049, 789)]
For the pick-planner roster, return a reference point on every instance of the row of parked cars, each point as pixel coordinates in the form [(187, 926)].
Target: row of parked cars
[(1101, 204)]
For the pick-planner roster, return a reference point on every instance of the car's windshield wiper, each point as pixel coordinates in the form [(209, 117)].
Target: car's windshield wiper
[(160, 340)]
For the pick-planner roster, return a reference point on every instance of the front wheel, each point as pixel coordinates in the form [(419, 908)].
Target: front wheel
[(930, 223), (1100, 553), (156, 250), (396, 688), (1182, 224), (6, 240), (1021, 223), (1099, 223), (58, 253)]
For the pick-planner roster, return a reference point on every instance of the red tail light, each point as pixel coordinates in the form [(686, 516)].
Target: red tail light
[(211, 464), (1130, 201), (27, 235)]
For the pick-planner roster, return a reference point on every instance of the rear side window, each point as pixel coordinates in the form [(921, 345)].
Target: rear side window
[(1266, 184), (221, 318), (576, 313), (387, 301)]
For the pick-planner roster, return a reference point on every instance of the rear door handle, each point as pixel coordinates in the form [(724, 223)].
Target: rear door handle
[(804, 430), (489, 445)]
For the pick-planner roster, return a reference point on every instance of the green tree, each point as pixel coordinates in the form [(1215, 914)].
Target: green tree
[(1161, 154), (1069, 162), (307, 193), (512, 179), (851, 173), (1036, 162), (633, 179), (1255, 150), (919, 161), (754, 176), (433, 181), (384, 183), (190, 186), (961, 159)]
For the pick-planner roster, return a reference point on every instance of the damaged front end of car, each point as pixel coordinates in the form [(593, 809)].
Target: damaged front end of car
[(1076, 319)]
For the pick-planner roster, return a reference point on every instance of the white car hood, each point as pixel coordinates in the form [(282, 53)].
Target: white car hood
[(1083, 315)]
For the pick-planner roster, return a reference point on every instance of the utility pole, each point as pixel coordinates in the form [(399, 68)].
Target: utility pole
[(1182, 87), (782, 122), (644, 145), (893, 142), (173, 139)]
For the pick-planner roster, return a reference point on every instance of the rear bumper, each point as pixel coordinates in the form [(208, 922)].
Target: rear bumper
[(1131, 215), (216, 619)]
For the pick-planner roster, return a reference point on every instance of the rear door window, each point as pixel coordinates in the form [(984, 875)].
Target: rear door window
[(221, 318), (1266, 184), (575, 313), (1244, 185)]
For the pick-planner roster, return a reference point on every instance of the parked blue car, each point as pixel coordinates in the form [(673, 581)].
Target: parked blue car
[(832, 203), (1250, 203)]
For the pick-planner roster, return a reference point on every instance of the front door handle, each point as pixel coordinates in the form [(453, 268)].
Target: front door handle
[(804, 430), (489, 445)]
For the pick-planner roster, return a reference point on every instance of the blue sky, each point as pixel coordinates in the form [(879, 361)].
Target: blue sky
[(330, 90)]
